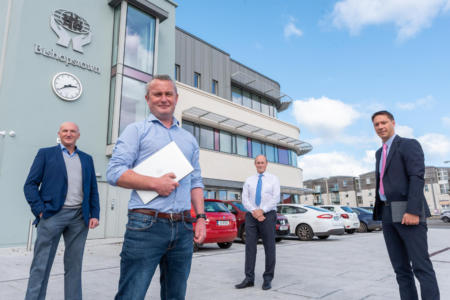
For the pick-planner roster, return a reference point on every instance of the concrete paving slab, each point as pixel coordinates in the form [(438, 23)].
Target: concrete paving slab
[(349, 267)]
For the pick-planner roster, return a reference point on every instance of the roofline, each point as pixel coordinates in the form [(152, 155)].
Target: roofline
[(233, 60), (201, 40)]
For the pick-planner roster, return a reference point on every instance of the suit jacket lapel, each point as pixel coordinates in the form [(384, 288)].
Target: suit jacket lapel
[(59, 156), (391, 152)]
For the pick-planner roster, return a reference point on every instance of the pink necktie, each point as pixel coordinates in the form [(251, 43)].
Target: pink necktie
[(383, 165)]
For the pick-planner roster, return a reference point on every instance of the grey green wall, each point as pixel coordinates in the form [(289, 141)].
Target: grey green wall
[(30, 108)]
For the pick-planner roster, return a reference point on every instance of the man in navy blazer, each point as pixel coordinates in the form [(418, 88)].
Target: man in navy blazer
[(61, 189), (400, 204)]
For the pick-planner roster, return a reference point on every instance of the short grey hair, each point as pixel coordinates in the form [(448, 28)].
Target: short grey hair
[(163, 77)]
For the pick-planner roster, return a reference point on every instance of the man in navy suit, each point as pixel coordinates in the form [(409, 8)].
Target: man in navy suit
[(401, 205), (61, 189)]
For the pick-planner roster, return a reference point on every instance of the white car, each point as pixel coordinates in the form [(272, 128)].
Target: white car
[(350, 218), (308, 221)]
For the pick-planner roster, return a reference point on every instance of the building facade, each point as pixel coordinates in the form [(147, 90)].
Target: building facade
[(361, 190), (88, 62)]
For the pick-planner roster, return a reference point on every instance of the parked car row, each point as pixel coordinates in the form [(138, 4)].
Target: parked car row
[(226, 221)]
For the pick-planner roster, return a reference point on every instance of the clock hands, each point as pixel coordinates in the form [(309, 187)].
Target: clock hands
[(67, 86)]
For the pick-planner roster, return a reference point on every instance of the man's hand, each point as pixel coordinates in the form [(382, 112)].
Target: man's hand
[(410, 219), (261, 218), (40, 215), (257, 213), (200, 231), (166, 184), (93, 222)]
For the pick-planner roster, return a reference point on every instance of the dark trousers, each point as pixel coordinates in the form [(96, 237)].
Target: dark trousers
[(408, 251), (265, 229)]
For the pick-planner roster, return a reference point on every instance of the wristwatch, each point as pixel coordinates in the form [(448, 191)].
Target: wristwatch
[(201, 216)]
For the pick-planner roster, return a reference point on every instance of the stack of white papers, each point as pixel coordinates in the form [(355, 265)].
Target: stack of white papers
[(168, 159)]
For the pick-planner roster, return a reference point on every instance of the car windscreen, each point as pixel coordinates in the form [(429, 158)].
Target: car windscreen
[(317, 208), (240, 206), (211, 206), (347, 209)]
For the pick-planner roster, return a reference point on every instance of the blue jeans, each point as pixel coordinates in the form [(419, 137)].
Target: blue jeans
[(69, 223), (150, 241)]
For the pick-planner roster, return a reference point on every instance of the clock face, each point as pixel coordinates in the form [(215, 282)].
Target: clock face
[(67, 86)]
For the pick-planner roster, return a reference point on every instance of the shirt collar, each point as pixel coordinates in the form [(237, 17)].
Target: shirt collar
[(152, 118), (63, 148), (389, 141)]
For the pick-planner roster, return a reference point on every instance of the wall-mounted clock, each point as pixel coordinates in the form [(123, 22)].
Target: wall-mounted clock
[(67, 86)]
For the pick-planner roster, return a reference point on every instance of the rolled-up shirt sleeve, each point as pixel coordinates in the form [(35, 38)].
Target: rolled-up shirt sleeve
[(196, 178), (124, 155)]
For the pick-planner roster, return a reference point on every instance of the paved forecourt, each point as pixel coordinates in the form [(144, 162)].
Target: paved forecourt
[(342, 267)]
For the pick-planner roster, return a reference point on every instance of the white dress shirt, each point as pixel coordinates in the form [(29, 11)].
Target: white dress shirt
[(270, 192)]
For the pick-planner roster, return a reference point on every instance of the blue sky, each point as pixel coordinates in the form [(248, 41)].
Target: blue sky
[(340, 61)]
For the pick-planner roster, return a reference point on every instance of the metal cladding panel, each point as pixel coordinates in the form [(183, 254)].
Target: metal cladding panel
[(195, 55)]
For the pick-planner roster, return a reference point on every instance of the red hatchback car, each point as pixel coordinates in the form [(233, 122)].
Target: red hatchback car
[(238, 209), (220, 224)]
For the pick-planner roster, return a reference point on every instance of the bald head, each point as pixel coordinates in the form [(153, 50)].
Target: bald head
[(69, 133), (260, 163)]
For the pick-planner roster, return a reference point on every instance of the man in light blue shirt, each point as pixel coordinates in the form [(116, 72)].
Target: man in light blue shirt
[(159, 232)]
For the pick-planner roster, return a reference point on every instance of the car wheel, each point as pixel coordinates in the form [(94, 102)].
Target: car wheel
[(446, 219), (225, 245), (350, 231), (324, 237), (304, 232), (196, 247), (362, 227), (277, 240)]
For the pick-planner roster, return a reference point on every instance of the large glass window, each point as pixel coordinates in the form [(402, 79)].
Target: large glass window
[(256, 102), (257, 148), (241, 145), (206, 137), (139, 40), (283, 156), (236, 95), (265, 107), (222, 195), (133, 105), (246, 100), (293, 158), (225, 141), (271, 153)]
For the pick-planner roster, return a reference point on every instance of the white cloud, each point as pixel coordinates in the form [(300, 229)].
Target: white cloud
[(404, 131), (369, 159), (332, 164), (445, 121), (409, 16), (426, 102), (325, 117), (291, 30), (435, 146)]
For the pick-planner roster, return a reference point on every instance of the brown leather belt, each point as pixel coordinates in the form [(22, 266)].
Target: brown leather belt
[(185, 215)]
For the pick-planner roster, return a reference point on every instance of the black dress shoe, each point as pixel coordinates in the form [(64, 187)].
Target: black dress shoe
[(244, 284), (267, 285)]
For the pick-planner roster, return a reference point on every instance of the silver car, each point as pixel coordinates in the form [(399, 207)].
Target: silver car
[(445, 216)]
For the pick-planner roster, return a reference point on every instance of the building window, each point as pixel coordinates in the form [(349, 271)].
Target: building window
[(236, 95), (127, 86), (283, 156), (246, 100), (197, 80), (177, 73), (442, 174), (256, 102), (426, 187), (241, 145), (368, 180), (206, 137), (344, 183), (225, 142), (215, 87), (444, 188)]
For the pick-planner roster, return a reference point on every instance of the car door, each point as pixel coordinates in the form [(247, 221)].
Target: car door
[(294, 215)]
